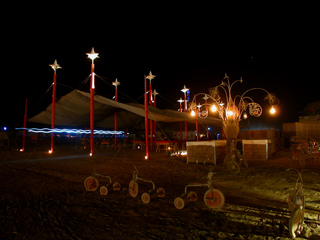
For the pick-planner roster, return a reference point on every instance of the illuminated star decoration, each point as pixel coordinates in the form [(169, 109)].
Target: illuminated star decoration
[(116, 83), (155, 93), (55, 65), (150, 76), (184, 90), (93, 55), (180, 100)]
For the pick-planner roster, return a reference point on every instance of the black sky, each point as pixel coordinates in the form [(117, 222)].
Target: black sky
[(270, 46)]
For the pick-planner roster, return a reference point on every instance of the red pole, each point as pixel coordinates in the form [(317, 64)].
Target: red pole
[(92, 87), (154, 127), (53, 108), (24, 127), (92, 55), (180, 122), (197, 125), (54, 66), (146, 117), (185, 122), (150, 103), (197, 122), (115, 119)]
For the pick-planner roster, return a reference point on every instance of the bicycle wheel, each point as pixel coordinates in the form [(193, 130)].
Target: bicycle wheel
[(192, 196), (145, 197), (214, 199), (161, 193), (133, 188), (103, 190), (179, 203), (296, 223), (116, 186), (91, 184)]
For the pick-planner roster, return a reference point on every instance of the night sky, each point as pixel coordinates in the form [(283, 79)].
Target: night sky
[(270, 46)]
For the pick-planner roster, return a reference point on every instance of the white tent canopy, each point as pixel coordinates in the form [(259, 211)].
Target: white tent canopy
[(73, 110)]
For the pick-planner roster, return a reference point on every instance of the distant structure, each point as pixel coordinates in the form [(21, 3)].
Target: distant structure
[(307, 127), (311, 112)]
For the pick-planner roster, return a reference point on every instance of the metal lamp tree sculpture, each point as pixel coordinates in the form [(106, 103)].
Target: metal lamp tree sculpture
[(232, 110)]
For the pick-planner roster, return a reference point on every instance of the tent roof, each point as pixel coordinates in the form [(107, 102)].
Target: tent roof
[(73, 109)]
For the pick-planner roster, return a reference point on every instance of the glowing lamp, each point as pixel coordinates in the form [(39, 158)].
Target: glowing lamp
[(93, 55), (90, 154), (214, 108), (245, 115), (146, 157), (229, 113), (193, 113), (50, 151), (272, 110)]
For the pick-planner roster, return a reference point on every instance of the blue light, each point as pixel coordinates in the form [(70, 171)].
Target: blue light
[(4, 128), (70, 131)]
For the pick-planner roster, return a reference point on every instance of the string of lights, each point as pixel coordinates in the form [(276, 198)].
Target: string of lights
[(70, 131)]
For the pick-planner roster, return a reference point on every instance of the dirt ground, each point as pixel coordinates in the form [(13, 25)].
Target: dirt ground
[(43, 197)]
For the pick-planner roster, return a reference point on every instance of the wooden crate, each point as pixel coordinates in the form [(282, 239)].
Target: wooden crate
[(220, 150), (206, 151), (256, 149)]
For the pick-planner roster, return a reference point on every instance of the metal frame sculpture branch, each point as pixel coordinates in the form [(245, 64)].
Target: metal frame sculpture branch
[(230, 111)]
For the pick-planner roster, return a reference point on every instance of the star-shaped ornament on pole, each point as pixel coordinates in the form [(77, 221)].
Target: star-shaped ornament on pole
[(116, 83), (93, 55), (55, 65), (150, 76)]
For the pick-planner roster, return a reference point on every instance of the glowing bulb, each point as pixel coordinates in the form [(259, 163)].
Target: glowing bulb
[(90, 154), (214, 108), (229, 113), (146, 157), (50, 151), (272, 110), (193, 113)]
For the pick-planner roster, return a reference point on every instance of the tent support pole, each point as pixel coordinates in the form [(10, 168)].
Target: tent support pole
[(151, 124), (24, 127), (92, 86), (115, 118), (146, 117), (53, 109)]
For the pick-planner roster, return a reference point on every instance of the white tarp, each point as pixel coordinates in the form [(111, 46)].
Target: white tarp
[(73, 109)]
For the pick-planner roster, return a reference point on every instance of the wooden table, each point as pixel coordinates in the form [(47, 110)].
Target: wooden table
[(103, 143), (137, 143), (167, 145)]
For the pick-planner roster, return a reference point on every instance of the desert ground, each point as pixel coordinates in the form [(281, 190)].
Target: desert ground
[(43, 197)]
